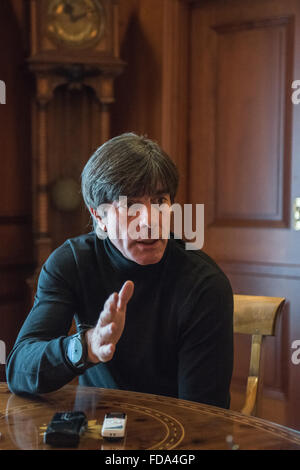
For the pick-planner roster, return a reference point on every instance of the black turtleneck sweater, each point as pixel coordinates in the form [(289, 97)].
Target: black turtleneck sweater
[(178, 336)]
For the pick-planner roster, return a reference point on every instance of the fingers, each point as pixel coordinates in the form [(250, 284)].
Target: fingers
[(103, 338), (106, 352), (108, 334), (125, 294), (116, 302), (109, 310)]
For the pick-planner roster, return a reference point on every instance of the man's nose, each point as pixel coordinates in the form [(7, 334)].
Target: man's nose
[(145, 215)]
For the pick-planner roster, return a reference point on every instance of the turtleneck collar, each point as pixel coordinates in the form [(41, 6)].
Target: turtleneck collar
[(126, 266)]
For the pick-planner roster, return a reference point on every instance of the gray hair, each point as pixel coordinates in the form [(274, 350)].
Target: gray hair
[(127, 165)]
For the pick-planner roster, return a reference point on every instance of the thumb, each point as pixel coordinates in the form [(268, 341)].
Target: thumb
[(125, 294)]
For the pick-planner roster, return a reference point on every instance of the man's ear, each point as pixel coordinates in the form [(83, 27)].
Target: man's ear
[(99, 218)]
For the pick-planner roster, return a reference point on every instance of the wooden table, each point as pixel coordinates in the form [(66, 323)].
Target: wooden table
[(154, 422)]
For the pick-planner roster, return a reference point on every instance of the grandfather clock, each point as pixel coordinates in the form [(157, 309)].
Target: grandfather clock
[(75, 59)]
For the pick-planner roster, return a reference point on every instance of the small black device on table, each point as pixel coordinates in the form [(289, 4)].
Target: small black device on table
[(65, 429)]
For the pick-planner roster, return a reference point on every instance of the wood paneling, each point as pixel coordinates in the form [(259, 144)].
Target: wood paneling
[(15, 188), (71, 113), (175, 88), (152, 93), (244, 166), (251, 155), (139, 90)]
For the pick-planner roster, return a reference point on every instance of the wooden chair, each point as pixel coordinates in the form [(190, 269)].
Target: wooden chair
[(255, 316)]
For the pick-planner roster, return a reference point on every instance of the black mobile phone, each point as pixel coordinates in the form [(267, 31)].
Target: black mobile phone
[(64, 429)]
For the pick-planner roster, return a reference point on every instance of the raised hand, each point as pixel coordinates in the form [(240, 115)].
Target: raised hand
[(102, 339)]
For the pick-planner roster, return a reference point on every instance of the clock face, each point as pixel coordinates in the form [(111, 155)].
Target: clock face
[(75, 22)]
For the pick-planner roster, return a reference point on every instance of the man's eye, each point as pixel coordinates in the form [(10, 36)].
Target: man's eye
[(160, 200)]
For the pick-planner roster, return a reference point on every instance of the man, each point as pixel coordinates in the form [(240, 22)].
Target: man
[(151, 316)]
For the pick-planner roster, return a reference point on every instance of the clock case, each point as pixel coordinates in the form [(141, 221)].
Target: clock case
[(59, 67)]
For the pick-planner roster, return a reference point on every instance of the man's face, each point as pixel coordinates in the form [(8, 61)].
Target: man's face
[(140, 232)]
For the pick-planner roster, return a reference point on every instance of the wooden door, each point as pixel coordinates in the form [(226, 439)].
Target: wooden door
[(244, 165)]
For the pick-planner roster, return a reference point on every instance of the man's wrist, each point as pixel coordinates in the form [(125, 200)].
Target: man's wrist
[(77, 352), (91, 357)]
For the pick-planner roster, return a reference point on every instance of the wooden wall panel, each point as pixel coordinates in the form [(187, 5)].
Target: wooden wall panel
[(251, 156), (71, 113), (139, 89), (152, 93), (244, 166), (15, 175), (174, 138)]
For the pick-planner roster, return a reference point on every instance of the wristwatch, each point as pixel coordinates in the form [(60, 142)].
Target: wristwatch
[(77, 350)]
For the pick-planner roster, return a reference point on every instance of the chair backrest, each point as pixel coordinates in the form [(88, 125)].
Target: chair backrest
[(255, 316)]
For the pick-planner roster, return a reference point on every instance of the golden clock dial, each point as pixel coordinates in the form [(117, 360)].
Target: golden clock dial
[(75, 22)]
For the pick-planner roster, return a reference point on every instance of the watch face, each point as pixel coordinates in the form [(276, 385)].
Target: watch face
[(75, 22), (75, 350)]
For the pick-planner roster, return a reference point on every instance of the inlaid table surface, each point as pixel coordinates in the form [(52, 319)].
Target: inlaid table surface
[(153, 422)]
